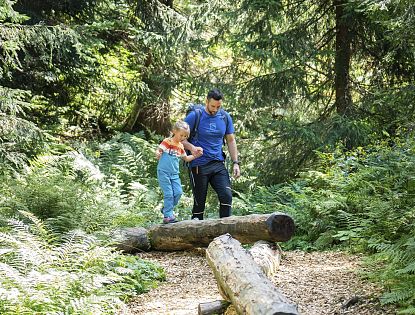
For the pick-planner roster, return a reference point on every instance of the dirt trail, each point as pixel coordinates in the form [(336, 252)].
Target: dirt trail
[(319, 283)]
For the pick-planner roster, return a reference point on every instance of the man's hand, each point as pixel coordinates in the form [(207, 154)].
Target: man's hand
[(236, 171)]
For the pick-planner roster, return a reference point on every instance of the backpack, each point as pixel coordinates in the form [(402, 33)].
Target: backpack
[(198, 108)]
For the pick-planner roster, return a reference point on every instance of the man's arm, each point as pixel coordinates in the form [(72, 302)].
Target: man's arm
[(233, 152)]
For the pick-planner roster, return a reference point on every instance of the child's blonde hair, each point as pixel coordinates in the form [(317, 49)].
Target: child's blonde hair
[(181, 126)]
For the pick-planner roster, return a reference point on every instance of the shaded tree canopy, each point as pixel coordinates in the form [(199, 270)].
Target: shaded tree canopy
[(298, 76)]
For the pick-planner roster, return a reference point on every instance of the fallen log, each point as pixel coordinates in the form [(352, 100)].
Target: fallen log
[(266, 255), (243, 282), (131, 240), (275, 227), (211, 308)]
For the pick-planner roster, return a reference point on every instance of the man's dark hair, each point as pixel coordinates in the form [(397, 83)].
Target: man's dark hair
[(216, 94)]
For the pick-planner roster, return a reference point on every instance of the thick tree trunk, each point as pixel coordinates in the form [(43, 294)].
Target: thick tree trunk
[(266, 255), (243, 282), (155, 118), (150, 111), (276, 227), (342, 60)]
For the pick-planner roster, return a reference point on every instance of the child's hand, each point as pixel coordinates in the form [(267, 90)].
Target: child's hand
[(158, 154), (198, 151)]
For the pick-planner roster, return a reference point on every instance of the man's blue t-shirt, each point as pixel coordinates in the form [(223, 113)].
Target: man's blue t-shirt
[(211, 130)]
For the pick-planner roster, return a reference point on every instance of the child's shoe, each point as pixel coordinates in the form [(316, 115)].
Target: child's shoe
[(170, 220)]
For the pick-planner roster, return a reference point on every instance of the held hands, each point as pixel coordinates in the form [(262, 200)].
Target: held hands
[(197, 152)]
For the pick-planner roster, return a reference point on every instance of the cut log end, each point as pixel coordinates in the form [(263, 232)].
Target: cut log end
[(215, 307), (280, 226), (131, 240)]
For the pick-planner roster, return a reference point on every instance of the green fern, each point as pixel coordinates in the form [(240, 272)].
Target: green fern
[(76, 276), (398, 295), (407, 311)]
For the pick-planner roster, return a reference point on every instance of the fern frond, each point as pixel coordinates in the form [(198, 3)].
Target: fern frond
[(409, 269), (18, 226), (396, 296), (13, 274), (37, 225), (8, 239), (381, 247), (75, 242), (407, 311), (94, 305)]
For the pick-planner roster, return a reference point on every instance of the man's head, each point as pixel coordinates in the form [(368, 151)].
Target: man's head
[(213, 101)]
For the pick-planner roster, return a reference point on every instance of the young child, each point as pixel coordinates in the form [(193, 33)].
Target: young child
[(169, 152)]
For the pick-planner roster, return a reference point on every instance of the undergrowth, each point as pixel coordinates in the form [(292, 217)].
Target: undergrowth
[(48, 273)]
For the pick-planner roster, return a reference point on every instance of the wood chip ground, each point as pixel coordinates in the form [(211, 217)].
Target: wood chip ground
[(319, 283)]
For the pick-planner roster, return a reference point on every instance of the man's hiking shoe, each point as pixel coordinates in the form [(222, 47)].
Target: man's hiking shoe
[(169, 220)]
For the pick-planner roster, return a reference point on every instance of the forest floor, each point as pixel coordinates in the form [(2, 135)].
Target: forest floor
[(319, 283)]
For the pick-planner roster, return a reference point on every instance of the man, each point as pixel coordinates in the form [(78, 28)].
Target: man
[(209, 168)]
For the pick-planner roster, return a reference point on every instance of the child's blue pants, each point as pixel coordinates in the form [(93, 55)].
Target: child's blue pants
[(172, 191)]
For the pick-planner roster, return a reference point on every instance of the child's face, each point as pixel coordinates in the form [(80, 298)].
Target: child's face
[(180, 135)]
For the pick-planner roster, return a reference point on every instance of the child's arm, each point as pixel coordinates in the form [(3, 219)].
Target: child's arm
[(158, 152), (188, 158)]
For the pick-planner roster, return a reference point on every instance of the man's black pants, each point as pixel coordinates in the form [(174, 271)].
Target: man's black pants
[(215, 174)]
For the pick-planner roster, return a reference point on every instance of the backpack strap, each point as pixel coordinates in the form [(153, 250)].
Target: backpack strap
[(198, 113)]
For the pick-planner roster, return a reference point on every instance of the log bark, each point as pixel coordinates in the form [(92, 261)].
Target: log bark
[(267, 256), (242, 280), (275, 227), (131, 240), (215, 307)]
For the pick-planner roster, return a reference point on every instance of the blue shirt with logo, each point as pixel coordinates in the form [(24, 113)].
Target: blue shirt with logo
[(211, 130)]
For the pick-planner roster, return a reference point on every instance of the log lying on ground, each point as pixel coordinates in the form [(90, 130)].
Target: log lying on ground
[(132, 240), (266, 255), (243, 282), (275, 227), (211, 308)]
